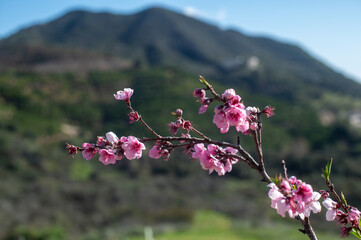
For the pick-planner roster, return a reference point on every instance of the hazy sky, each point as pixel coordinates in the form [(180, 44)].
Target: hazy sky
[(329, 29)]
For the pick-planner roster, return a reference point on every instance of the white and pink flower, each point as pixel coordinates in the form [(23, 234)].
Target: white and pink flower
[(133, 148), (89, 151), (106, 156), (124, 95), (295, 197)]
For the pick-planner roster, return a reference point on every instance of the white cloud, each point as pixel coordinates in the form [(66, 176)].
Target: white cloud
[(219, 16), (191, 12)]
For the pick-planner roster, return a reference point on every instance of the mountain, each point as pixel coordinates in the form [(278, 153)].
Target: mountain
[(158, 37)]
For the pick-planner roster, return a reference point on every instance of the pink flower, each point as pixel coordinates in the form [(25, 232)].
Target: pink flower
[(133, 148), (228, 94), (89, 151), (106, 156), (331, 207), (179, 112), (101, 141), (187, 125), (354, 215), (234, 101), (203, 109), (304, 192), (221, 122), (133, 117), (198, 150), (268, 111), (253, 126), (278, 200), (155, 152), (205, 103), (243, 126), (295, 197), (199, 93), (207, 158), (313, 205), (173, 128), (124, 95), (235, 115), (72, 150)]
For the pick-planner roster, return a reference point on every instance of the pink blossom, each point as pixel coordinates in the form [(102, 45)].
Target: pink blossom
[(173, 128), (198, 150), (235, 101), (228, 94), (159, 151), (243, 126), (124, 95), (106, 156), (230, 150), (331, 207), (295, 197), (133, 148), (304, 192), (235, 115), (205, 103), (72, 150), (203, 108), (89, 151), (155, 152), (179, 112), (278, 200), (187, 125), (268, 111), (253, 126), (214, 158), (199, 93), (354, 215), (313, 205), (207, 158), (101, 141), (133, 117), (221, 122)]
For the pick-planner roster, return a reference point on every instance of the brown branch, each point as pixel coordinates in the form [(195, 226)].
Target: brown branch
[(307, 228), (210, 88), (129, 105)]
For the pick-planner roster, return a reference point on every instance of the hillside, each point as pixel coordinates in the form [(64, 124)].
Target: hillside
[(158, 37)]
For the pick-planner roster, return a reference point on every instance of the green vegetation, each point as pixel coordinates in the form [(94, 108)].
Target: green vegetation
[(212, 226), (40, 112)]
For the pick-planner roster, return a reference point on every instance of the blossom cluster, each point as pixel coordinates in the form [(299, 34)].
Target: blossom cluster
[(294, 197), (174, 126), (348, 219), (232, 112), (111, 148), (215, 158)]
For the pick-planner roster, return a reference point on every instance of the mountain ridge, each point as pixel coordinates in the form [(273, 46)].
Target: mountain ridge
[(157, 37)]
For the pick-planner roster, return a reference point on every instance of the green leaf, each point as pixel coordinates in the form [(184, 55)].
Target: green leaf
[(356, 233), (343, 198), (201, 78), (327, 171), (277, 180)]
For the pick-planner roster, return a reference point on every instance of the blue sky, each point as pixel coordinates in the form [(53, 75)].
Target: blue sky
[(329, 29)]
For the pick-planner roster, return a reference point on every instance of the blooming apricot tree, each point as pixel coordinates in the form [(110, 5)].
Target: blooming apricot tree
[(289, 195)]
